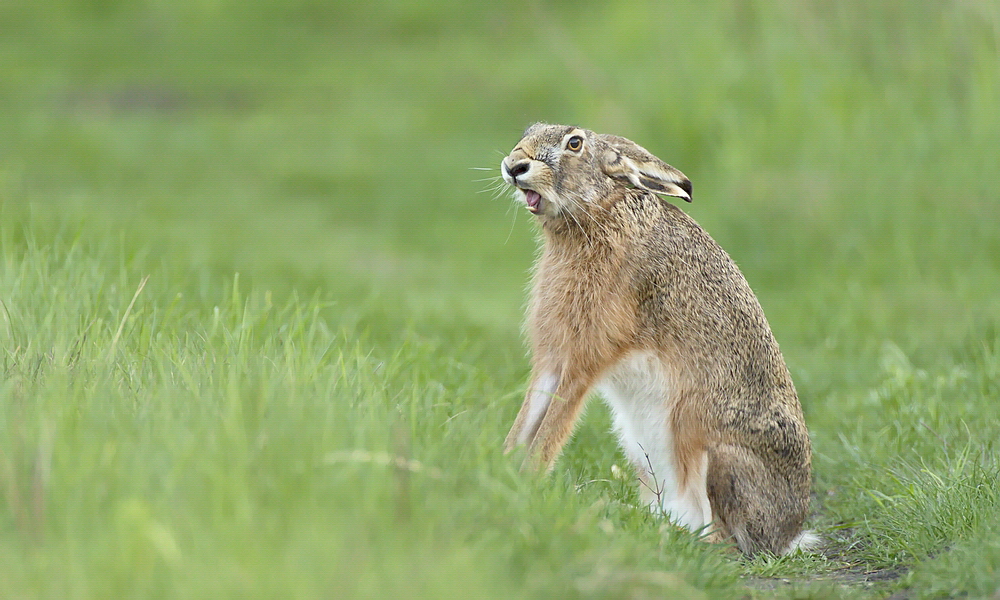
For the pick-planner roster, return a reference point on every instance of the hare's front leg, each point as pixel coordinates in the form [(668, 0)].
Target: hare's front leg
[(536, 402), (551, 407)]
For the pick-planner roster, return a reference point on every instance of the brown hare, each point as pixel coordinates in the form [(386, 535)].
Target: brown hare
[(632, 298)]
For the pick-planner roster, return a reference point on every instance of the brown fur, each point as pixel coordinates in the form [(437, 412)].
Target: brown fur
[(621, 270)]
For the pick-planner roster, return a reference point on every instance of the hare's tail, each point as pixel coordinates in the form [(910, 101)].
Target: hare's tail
[(807, 541)]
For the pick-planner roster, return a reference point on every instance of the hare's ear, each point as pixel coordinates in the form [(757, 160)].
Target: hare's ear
[(626, 161)]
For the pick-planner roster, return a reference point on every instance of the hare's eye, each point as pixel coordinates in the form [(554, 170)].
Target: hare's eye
[(574, 143)]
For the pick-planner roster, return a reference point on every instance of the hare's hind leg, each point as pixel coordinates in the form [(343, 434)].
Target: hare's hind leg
[(751, 502)]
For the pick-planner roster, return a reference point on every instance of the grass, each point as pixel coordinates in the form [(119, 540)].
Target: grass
[(260, 329)]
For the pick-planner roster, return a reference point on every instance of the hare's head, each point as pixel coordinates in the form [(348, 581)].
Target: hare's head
[(558, 169)]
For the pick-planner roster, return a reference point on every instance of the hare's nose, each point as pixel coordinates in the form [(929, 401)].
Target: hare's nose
[(519, 169)]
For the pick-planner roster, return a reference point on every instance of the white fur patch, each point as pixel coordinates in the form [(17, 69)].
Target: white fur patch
[(639, 392), (804, 542)]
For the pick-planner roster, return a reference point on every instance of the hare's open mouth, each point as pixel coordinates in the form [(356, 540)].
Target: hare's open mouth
[(533, 199)]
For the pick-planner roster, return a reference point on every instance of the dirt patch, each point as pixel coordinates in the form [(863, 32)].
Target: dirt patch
[(852, 577)]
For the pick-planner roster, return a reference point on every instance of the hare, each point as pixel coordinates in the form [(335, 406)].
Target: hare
[(633, 298)]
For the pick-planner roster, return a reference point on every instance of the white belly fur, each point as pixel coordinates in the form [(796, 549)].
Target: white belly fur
[(640, 394)]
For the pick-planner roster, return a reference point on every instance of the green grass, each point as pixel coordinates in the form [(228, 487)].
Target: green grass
[(260, 324)]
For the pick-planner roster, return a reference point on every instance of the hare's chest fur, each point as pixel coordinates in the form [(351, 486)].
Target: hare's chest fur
[(640, 392)]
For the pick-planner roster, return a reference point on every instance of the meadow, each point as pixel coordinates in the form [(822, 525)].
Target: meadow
[(260, 312)]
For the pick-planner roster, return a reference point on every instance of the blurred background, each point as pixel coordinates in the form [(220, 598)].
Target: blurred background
[(314, 169), (845, 153)]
